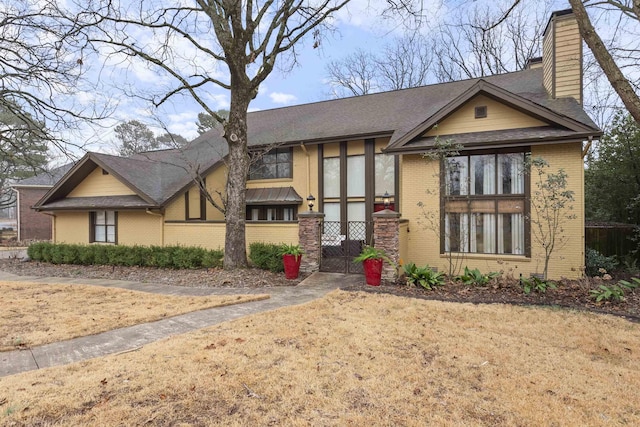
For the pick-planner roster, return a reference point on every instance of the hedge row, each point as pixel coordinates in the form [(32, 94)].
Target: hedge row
[(266, 256), (176, 257)]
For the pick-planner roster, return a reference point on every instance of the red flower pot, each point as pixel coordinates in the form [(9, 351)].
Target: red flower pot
[(372, 271), (291, 265)]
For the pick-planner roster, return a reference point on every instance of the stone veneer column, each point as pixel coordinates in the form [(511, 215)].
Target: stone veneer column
[(309, 226), (386, 236)]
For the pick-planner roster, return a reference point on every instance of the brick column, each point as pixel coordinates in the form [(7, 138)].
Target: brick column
[(386, 236), (309, 226)]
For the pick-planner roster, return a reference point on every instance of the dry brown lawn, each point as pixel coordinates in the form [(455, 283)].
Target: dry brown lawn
[(33, 314), (355, 359)]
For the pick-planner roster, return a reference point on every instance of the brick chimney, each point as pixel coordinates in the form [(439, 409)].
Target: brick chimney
[(562, 56)]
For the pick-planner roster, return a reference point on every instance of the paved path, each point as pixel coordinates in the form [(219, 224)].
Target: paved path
[(118, 340)]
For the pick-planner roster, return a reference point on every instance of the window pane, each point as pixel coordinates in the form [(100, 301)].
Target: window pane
[(332, 178), (456, 232), (331, 211), (111, 217), (101, 234), (511, 173), (355, 176), (483, 235), (111, 233), (255, 214), (511, 234), (284, 155), (284, 170), (483, 174), (356, 213), (385, 174), (101, 217), (271, 214), (288, 214), (456, 175)]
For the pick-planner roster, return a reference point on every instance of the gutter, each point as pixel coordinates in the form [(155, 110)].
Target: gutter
[(149, 212)]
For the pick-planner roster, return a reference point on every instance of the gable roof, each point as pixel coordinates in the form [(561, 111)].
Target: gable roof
[(157, 177), (44, 179)]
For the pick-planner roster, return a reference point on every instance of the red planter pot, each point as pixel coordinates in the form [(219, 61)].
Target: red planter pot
[(372, 271), (291, 265)]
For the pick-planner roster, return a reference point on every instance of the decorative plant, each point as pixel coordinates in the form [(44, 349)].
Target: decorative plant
[(614, 292), (537, 284), (423, 276), (475, 277), (291, 250), (370, 252)]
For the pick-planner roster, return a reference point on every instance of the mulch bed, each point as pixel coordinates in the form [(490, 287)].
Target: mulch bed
[(571, 294)]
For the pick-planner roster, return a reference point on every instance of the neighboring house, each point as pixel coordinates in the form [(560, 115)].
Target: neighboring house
[(33, 225), (348, 153)]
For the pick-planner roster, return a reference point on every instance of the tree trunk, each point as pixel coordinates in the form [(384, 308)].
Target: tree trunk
[(618, 81), (235, 254)]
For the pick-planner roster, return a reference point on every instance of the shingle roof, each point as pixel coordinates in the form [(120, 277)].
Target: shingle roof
[(48, 178), (99, 202), (158, 176)]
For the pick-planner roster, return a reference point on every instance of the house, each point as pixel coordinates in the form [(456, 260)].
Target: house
[(349, 153), (34, 225)]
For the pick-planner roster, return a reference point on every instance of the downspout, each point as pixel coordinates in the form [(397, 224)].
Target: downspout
[(53, 224), (18, 213), (148, 211), (304, 148)]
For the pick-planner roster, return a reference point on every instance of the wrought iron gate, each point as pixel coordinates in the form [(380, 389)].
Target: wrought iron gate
[(341, 243)]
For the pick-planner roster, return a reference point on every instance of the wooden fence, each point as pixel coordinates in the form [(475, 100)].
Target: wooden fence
[(611, 239)]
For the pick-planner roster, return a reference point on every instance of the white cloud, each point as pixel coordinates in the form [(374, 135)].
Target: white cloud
[(282, 98)]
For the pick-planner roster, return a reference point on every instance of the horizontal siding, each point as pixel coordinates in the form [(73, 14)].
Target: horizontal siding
[(499, 116), (97, 184), (71, 227), (139, 228)]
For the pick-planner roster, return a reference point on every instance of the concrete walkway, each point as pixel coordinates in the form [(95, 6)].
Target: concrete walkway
[(133, 337)]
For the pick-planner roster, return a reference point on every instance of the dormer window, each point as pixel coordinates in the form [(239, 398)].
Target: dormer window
[(481, 112)]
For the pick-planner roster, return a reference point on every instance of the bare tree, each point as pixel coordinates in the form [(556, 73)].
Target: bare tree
[(628, 20), (188, 42), (404, 63), (41, 72), (485, 41)]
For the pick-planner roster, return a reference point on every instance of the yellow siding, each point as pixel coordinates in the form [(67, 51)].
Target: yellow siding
[(568, 59), (331, 150), (567, 261), (563, 44), (194, 202), (175, 210), (97, 184), (381, 143), (205, 235), (272, 233), (139, 228), (420, 184), (404, 242), (547, 59), (216, 182), (71, 227), (355, 147), (211, 235), (499, 116)]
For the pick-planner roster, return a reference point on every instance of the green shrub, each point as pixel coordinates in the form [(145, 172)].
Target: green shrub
[(614, 292), (537, 284), (423, 276), (266, 256), (475, 277), (594, 261), (154, 256)]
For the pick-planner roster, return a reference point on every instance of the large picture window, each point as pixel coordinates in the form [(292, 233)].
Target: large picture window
[(103, 225), (484, 204), (277, 163)]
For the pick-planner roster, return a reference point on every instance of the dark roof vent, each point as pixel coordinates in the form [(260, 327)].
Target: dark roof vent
[(481, 112)]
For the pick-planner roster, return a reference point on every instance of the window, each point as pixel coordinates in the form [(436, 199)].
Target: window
[(277, 163), (484, 204), (481, 112), (103, 226), (271, 213)]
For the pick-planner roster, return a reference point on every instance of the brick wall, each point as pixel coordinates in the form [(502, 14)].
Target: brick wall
[(33, 225)]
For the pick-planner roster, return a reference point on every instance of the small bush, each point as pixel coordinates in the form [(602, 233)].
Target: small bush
[(154, 256), (476, 278), (536, 284), (423, 276), (266, 256), (595, 261)]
